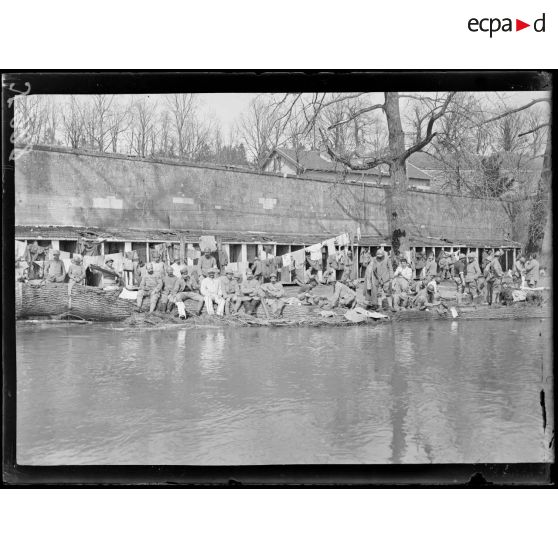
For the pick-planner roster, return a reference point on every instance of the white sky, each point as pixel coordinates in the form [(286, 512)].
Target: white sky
[(227, 107)]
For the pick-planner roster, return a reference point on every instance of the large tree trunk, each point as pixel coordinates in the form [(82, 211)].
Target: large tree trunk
[(540, 229), (396, 197), (89, 303)]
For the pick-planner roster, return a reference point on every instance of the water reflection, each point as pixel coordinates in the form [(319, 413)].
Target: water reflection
[(416, 392)]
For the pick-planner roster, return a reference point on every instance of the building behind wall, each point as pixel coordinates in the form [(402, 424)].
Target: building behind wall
[(62, 194)]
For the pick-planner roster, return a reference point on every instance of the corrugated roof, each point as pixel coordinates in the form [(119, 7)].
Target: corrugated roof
[(231, 237)]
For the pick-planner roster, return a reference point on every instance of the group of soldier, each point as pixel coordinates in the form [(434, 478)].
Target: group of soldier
[(389, 282), (405, 287)]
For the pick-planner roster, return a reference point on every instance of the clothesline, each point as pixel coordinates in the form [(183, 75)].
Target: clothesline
[(298, 257)]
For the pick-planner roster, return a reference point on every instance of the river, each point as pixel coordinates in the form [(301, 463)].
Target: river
[(428, 392)]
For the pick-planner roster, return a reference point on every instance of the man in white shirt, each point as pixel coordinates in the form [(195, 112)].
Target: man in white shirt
[(210, 289), (401, 283), (176, 267)]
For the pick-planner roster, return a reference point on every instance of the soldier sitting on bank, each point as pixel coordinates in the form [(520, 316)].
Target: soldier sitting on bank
[(306, 292), (150, 286), (343, 296), (186, 288), (54, 271), (228, 289), (273, 295), (250, 293), (169, 281)]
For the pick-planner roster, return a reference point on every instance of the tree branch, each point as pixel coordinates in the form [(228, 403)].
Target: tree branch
[(512, 111), (429, 133), (534, 129), (356, 115), (370, 164)]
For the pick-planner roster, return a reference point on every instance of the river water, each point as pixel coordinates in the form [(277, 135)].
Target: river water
[(429, 392)]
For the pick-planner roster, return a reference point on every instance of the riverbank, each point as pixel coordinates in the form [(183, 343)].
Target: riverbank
[(50, 303)]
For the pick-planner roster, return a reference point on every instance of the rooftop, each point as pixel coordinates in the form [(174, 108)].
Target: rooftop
[(314, 160)]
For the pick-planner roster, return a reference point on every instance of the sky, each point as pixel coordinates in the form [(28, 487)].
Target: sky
[(227, 107)]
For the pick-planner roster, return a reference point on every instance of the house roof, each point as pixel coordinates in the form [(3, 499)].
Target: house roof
[(313, 160), (425, 161)]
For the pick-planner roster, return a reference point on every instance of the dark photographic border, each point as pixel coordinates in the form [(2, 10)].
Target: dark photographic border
[(138, 82)]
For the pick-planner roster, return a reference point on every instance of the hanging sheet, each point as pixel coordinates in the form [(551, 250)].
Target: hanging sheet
[(298, 257), (286, 259), (20, 248), (208, 242)]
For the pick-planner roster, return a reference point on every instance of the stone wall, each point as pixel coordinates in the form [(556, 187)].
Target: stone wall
[(59, 187)]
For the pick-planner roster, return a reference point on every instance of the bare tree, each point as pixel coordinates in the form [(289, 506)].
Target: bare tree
[(30, 113), (539, 222), (73, 126), (95, 115), (394, 156), (118, 121), (182, 108), (262, 127), (143, 122)]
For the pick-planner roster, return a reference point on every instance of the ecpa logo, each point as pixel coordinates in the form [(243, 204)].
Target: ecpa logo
[(494, 24)]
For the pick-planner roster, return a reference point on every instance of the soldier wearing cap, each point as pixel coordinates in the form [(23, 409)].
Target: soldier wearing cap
[(365, 259), (76, 273), (257, 268), (519, 271), (111, 278), (273, 294), (250, 296), (532, 270), (493, 275), (186, 288), (167, 298), (401, 283), (343, 296), (459, 273), (54, 270), (210, 289), (347, 266), (207, 262), (306, 292), (150, 286), (430, 268), (236, 299), (472, 276), (158, 265), (228, 289), (381, 276)]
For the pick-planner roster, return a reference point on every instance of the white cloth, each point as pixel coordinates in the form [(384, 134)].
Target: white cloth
[(315, 252), (128, 295), (519, 295), (286, 260), (208, 242), (343, 239), (176, 268), (299, 256), (20, 249)]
